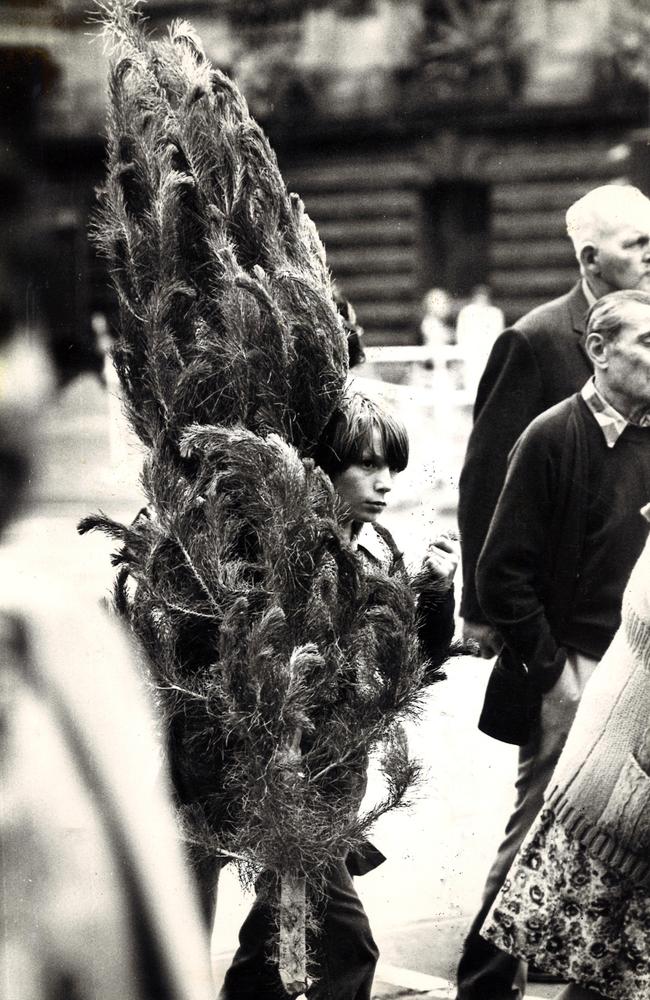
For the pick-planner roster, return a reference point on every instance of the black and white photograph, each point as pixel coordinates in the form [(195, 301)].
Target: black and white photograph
[(325, 499)]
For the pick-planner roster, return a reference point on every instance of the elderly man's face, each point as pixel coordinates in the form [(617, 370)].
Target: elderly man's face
[(627, 372), (623, 253)]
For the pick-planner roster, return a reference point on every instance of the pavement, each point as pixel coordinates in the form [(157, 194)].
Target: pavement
[(421, 900)]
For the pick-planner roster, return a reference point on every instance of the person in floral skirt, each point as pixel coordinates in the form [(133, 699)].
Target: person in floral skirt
[(577, 898)]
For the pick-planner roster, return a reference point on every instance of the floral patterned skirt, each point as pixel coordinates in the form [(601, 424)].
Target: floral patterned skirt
[(569, 914)]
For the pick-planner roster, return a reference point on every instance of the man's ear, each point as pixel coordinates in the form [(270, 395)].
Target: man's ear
[(598, 350), (589, 259)]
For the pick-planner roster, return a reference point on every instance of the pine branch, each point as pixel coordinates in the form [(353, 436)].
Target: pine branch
[(256, 619)]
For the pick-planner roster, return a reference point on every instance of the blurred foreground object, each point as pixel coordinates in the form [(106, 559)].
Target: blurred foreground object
[(95, 899), (96, 902)]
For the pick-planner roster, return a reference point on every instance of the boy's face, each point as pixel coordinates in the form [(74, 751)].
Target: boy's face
[(364, 486)]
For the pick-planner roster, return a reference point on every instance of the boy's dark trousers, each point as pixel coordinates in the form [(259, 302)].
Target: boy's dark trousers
[(344, 951)]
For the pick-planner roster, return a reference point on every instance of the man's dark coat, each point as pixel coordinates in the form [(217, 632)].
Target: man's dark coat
[(533, 365)]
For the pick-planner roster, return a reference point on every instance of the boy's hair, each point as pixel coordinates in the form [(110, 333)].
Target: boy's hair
[(351, 429)]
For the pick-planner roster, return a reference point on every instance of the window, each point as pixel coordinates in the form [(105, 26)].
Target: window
[(455, 236)]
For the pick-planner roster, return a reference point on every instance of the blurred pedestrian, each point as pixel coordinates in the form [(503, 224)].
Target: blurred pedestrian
[(439, 376), (436, 327), (478, 325), (577, 898), (563, 540)]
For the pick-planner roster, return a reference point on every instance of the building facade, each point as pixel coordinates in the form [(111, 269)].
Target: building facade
[(436, 143)]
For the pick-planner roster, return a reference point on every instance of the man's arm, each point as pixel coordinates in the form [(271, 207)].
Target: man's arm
[(510, 573), (509, 397)]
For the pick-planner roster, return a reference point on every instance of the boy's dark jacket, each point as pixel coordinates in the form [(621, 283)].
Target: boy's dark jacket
[(435, 630), (435, 610)]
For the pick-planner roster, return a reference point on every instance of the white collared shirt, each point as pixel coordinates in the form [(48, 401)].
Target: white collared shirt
[(611, 422)]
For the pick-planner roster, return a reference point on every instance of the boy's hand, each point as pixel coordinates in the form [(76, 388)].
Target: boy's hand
[(439, 564), (488, 641)]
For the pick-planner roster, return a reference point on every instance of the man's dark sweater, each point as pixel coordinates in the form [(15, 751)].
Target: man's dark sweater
[(619, 485), (564, 538)]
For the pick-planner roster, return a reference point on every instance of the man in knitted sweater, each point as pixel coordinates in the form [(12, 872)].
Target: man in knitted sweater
[(563, 540)]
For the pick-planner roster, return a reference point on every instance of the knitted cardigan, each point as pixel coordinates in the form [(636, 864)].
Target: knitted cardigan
[(600, 791)]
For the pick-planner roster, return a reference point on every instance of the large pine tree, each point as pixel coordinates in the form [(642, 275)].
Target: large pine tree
[(278, 663)]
